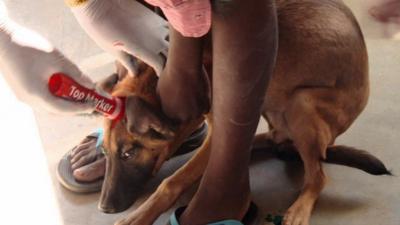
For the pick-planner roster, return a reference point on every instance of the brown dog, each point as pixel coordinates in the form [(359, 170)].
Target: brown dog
[(319, 87)]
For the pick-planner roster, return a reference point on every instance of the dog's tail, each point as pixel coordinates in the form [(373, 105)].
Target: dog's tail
[(341, 155)]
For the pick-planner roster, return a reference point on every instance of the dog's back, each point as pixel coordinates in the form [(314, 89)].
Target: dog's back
[(319, 87), (320, 46)]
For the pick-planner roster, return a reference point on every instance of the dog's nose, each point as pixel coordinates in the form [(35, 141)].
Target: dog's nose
[(108, 209), (113, 206)]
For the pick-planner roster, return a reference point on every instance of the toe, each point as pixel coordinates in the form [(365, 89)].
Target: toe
[(83, 146), (292, 217), (287, 220), (80, 175), (79, 155), (91, 172), (120, 222), (297, 216), (297, 221), (83, 161)]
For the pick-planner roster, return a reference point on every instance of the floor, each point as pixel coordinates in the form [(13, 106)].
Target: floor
[(351, 197)]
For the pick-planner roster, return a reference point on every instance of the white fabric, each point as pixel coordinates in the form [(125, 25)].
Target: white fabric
[(27, 60), (124, 28), (32, 190)]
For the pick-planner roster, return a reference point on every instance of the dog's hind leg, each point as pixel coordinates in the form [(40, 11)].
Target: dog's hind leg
[(311, 136), (171, 188), (274, 136)]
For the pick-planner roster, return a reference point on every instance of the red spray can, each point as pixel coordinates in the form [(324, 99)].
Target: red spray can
[(63, 86)]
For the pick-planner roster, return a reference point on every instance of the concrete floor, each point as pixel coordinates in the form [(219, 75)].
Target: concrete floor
[(352, 197)]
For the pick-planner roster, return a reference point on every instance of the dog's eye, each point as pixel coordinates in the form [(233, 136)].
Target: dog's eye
[(127, 155), (130, 153)]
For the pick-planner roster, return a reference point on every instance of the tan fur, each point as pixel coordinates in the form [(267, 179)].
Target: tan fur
[(319, 87), (172, 188)]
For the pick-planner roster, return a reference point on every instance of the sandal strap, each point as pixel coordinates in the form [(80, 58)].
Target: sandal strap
[(173, 220), (100, 139), (227, 222)]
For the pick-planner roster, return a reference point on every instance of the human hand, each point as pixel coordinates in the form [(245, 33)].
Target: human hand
[(184, 97), (27, 60), (183, 87), (124, 28)]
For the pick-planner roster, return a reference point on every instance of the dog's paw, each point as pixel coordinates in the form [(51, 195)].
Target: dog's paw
[(141, 216), (298, 214), (121, 222), (133, 220)]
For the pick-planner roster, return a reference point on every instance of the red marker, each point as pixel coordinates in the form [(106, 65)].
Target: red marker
[(63, 86)]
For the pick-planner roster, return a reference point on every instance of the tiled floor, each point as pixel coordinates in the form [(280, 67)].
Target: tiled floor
[(352, 197)]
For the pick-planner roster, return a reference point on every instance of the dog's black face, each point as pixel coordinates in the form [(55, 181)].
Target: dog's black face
[(131, 161), (125, 176), (135, 146)]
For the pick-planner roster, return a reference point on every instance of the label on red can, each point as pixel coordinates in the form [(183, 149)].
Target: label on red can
[(65, 87)]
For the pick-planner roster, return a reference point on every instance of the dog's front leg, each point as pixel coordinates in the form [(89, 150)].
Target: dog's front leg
[(171, 188)]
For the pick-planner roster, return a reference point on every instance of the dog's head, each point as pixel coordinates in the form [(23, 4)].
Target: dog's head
[(137, 145)]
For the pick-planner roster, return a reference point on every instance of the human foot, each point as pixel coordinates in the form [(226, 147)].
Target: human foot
[(87, 162), (300, 212), (80, 169), (92, 171)]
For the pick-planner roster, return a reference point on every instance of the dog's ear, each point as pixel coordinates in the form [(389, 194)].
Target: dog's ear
[(142, 118), (135, 67), (108, 83), (121, 70)]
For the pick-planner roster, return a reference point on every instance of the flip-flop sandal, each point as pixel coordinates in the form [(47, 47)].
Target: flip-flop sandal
[(252, 217), (65, 173)]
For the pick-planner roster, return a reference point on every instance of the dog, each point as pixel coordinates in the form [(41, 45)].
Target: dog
[(319, 87)]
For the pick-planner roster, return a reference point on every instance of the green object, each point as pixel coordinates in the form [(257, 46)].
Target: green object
[(275, 219)]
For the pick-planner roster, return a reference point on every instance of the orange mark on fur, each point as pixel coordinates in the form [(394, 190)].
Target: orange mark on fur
[(74, 3), (118, 44)]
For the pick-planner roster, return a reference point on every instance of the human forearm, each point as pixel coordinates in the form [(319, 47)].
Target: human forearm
[(183, 87)]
